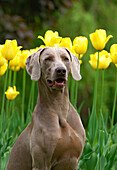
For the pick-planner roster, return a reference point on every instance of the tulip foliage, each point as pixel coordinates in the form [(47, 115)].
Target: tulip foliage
[(100, 149)]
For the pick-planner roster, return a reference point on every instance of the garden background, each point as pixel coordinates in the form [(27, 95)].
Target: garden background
[(70, 18)]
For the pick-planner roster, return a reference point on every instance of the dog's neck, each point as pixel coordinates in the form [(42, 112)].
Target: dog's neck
[(52, 101)]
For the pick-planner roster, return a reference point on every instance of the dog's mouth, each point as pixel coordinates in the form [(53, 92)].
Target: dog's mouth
[(58, 83)]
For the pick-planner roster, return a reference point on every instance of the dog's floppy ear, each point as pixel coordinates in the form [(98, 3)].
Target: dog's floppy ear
[(75, 66), (33, 66)]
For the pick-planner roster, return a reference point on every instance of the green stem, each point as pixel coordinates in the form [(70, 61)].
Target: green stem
[(14, 77), (0, 161), (95, 87), (114, 102), (9, 115), (14, 83), (10, 75), (9, 82), (93, 120), (102, 90), (23, 95), (3, 99)]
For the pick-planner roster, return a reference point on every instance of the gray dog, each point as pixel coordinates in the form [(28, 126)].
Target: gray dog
[(55, 138)]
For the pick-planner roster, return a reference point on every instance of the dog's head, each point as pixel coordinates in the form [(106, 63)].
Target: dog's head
[(53, 64)]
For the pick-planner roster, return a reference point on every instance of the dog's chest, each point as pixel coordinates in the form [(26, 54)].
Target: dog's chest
[(68, 145)]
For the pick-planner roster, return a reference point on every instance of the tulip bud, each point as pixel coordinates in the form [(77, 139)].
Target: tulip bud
[(80, 44), (99, 39), (10, 49)]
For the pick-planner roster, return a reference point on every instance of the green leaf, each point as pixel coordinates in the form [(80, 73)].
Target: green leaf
[(101, 141), (103, 161), (114, 129), (87, 148), (111, 152), (91, 163), (80, 107)]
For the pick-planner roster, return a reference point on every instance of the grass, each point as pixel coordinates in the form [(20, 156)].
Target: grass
[(100, 152)]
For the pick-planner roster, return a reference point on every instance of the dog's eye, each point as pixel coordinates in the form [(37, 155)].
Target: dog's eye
[(49, 58), (65, 59)]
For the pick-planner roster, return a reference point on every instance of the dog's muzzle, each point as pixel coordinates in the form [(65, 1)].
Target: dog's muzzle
[(59, 78)]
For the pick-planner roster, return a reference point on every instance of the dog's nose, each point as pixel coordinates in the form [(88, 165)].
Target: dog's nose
[(60, 71)]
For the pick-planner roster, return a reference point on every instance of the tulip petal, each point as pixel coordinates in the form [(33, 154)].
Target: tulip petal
[(107, 39), (3, 69), (40, 37), (11, 93), (99, 39)]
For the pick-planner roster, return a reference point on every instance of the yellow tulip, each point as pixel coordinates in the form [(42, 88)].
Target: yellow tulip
[(15, 68), (73, 51), (93, 60), (42, 46), (31, 51), (24, 55), (14, 64), (11, 93), (10, 49), (66, 42), (1, 46), (99, 39), (51, 39), (113, 50), (2, 60), (80, 61), (104, 60), (80, 44), (3, 69)]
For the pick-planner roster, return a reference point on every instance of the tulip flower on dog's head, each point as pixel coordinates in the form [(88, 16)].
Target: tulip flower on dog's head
[(51, 39), (99, 39), (66, 42), (11, 93), (113, 51), (24, 55)]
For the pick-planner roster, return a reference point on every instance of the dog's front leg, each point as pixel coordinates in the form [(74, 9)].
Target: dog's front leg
[(39, 159)]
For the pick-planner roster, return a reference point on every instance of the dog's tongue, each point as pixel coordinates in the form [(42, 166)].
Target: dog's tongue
[(59, 84)]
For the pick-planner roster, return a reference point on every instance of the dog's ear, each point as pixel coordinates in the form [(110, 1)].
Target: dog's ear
[(75, 66), (33, 65)]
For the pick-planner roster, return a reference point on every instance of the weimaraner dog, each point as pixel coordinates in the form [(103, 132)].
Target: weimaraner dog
[(55, 138)]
